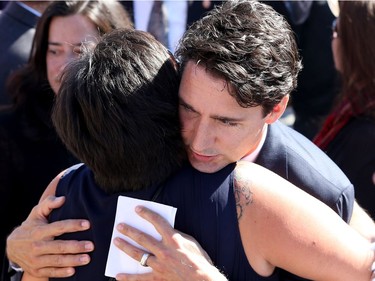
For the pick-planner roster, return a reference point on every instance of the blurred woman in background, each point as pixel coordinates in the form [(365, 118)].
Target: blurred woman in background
[(348, 135), (31, 153)]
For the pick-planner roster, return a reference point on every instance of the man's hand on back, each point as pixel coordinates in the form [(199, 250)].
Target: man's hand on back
[(33, 248)]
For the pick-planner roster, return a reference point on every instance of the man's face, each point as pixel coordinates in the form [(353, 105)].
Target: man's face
[(215, 128)]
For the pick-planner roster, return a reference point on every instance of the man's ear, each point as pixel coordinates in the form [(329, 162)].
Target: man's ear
[(278, 110)]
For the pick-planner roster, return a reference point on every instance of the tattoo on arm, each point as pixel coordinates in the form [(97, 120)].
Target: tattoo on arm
[(242, 194)]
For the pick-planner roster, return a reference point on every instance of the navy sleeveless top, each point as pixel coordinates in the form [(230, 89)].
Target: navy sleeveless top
[(205, 210)]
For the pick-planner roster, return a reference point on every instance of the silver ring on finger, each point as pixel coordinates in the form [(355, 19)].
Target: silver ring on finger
[(144, 259)]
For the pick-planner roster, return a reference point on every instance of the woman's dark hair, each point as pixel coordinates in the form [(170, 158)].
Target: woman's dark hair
[(117, 111), (357, 56)]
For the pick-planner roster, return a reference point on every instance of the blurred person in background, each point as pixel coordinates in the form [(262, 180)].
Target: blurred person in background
[(17, 29), (31, 152), (312, 100), (176, 16), (348, 134)]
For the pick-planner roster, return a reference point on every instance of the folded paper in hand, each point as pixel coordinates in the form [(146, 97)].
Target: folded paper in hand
[(120, 262)]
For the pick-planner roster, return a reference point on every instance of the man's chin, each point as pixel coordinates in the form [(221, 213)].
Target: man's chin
[(207, 168)]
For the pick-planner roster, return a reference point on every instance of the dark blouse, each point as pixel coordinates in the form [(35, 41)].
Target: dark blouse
[(205, 209)]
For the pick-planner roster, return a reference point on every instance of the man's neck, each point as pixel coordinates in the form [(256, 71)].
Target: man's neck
[(252, 156)]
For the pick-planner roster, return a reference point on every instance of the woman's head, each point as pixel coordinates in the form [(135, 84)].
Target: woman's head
[(117, 111), (65, 23), (66, 37), (353, 45), (70, 23)]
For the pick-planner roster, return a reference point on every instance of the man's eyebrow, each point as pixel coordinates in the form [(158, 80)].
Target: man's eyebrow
[(181, 101), (225, 118), (217, 117)]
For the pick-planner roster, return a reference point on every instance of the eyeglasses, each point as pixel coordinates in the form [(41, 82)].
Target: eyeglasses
[(335, 32)]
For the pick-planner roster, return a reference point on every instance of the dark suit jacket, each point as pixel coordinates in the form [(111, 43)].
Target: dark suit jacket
[(3, 4), (16, 35), (295, 158), (195, 9)]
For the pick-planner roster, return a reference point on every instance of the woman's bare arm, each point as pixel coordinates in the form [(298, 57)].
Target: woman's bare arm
[(282, 226)]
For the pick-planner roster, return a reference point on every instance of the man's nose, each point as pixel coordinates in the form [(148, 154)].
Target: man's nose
[(203, 136)]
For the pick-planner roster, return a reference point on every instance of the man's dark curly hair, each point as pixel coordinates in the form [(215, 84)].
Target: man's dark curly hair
[(249, 45), (117, 111)]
